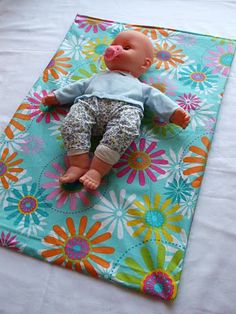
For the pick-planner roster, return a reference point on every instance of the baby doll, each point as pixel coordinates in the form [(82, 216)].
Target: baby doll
[(112, 102)]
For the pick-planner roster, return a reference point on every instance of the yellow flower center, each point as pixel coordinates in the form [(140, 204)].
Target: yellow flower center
[(91, 22), (139, 160)]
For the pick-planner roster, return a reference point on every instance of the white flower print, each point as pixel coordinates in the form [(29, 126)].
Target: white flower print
[(170, 39), (16, 142), (55, 129), (200, 116), (107, 273), (187, 206), (175, 165), (73, 46), (33, 228), (207, 90), (113, 213)]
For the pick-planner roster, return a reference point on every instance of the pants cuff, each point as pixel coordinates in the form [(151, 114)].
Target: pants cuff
[(73, 152), (107, 154)]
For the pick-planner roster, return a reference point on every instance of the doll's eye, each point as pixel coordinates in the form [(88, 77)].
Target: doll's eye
[(127, 47)]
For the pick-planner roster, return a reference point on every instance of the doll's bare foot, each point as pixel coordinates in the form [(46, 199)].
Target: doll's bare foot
[(91, 179), (72, 174)]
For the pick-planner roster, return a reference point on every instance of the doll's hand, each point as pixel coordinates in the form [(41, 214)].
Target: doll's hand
[(50, 100), (180, 118)]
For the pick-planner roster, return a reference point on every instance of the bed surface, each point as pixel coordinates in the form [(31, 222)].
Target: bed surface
[(29, 35)]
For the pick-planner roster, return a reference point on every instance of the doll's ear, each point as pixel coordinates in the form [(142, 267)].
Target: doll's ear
[(147, 63)]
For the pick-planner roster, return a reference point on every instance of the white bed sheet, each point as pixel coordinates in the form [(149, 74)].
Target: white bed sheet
[(30, 32)]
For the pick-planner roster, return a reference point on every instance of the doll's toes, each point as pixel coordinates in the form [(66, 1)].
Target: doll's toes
[(187, 118), (91, 179)]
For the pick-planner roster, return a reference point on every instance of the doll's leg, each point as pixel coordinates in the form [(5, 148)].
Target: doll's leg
[(120, 132), (76, 133)]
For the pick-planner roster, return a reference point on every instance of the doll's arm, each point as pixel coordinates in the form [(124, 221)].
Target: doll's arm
[(67, 94), (165, 107)]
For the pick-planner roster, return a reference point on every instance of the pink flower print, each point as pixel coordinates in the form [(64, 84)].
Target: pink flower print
[(188, 102), (47, 112), (185, 40), (210, 125), (32, 144), (9, 241), (143, 161), (221, 59), (91, 24), (64, 193)]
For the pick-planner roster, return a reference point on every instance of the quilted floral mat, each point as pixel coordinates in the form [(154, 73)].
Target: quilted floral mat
[(134, 230)]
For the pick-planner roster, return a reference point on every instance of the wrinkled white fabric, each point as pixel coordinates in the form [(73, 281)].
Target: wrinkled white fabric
[(30, 32)]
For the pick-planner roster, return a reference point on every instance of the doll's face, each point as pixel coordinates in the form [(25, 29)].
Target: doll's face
[(135, 55)]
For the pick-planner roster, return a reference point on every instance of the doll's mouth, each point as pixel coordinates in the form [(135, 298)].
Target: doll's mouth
[(112, 52)]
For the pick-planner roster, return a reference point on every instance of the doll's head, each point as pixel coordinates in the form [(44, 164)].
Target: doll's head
[(130, 52)]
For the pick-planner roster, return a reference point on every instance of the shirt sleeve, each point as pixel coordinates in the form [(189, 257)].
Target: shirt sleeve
[(67, 94), (159, 103)]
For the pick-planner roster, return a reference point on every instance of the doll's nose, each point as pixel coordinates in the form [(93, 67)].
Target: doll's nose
[(112, 51)]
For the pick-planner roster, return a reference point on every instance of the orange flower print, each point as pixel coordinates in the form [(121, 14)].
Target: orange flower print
[(198, 161), (153, 32), (8, 168), (78, 251), (14, 123), (56, 65), (168, 56)]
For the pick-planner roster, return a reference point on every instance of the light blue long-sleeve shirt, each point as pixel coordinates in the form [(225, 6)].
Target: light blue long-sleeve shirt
[(118, 86)]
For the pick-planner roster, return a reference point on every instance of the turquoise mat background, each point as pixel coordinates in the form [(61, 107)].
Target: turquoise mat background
[(134, 229)]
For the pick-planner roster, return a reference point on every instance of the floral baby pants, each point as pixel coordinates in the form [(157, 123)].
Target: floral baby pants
[(118, 122)]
